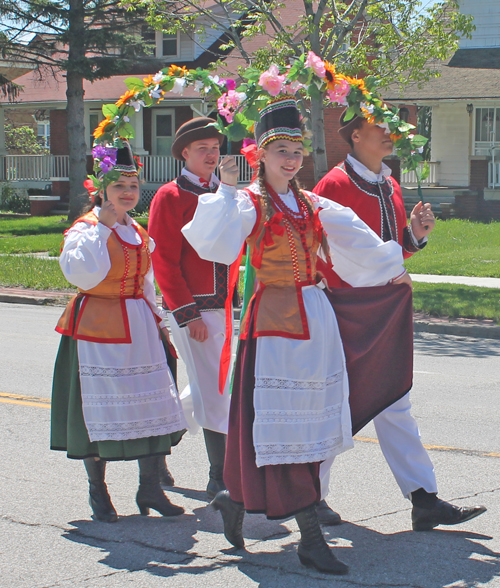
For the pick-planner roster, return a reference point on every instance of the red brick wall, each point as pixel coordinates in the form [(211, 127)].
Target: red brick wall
[(478, 174), (336, 147), (58, 132)]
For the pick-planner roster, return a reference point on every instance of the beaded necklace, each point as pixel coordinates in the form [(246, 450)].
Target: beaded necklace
[(299, 221)]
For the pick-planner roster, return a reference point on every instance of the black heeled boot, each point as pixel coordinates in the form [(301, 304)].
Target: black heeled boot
[(232, 516), (99, 499), (216, 451), (166, 478), (313, 550), (150, 494)]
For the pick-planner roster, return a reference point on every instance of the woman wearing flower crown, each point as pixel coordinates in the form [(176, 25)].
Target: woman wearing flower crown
[(289, 408), (113, 396)]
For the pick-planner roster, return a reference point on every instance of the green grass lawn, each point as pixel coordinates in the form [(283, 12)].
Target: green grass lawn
[(456, 247), (33, 273), (460, 248), (455, 300)]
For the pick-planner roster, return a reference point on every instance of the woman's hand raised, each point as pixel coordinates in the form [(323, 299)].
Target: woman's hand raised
[(229, 171)]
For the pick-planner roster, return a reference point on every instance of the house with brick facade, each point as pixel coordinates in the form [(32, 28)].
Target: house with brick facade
[(465, 104), (154, 127)]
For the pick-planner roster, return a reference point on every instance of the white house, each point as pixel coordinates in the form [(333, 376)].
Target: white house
[(465, 102)]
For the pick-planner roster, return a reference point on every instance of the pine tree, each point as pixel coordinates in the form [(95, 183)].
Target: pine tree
[(84, 40)]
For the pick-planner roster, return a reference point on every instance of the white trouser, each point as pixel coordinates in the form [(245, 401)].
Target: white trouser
[(202, 404), (399, 438)]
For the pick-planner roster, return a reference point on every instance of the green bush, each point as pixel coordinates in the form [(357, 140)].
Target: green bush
[(10, 201)]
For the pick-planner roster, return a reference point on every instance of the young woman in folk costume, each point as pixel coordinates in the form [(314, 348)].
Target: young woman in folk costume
[(289, 407), (113, 396)]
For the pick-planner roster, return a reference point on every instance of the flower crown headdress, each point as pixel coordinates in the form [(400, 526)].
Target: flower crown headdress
[(239, 107)]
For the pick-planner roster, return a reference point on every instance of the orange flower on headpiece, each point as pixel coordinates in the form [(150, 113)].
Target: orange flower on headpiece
[(99, 131), (128, 94), (359, 83), (175, 70), (395, 137), (148, 81)]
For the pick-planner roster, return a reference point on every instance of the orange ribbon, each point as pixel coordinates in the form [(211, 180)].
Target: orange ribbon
[(265, 239)]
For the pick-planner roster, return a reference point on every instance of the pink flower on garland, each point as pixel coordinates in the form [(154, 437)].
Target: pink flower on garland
[(293, 88), (228, 103), (271, 81), (229, 83), (316, 64), (339, 95)]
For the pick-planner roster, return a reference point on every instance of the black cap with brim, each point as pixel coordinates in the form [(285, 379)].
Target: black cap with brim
[(195, 129)]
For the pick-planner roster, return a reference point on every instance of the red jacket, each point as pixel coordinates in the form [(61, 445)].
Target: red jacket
[(380, 206), (189, 284)]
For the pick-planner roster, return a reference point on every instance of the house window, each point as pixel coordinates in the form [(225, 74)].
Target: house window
[(95, 118), (488, 124), (169, 45), (163, 131), (404, 114), (149, 36), (43, 133)]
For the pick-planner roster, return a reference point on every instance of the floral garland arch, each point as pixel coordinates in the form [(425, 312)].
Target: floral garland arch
[(238, 106)]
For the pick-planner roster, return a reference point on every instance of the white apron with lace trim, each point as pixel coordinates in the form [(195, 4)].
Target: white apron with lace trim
[(127, 388), (303, 417)]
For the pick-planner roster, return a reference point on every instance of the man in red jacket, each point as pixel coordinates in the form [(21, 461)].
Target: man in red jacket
[(194, 290), (364, 183)]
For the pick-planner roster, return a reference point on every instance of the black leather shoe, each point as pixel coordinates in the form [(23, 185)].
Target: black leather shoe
[(99, 499), (166, 478), (214, 487), (150, 494), (442, 513), (101, 504), (313, 550), (326, 515), (232, 515)]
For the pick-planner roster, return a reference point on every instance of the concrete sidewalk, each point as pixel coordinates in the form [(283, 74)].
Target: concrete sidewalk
[(486, 329), (465, 280)]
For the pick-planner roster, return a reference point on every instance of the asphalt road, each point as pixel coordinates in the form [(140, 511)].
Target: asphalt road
[(47, 538)]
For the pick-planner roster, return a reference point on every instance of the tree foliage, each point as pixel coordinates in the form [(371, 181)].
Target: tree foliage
[(80, 39), (396, 41), (23, 140)]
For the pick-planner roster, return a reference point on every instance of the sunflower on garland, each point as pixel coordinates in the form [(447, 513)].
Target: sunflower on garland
[(239, 107)]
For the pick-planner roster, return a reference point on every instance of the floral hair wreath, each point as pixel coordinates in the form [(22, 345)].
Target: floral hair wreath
[(239, 106)]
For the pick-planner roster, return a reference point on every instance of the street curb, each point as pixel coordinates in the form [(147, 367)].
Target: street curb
[(57, 300), (474, 331), (419, 325)]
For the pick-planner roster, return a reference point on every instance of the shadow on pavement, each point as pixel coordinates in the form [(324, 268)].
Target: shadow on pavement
[(454, 346), (192, 544)]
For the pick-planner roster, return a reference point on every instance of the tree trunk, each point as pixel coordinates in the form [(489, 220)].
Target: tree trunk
[(318, 139), (78, 196)]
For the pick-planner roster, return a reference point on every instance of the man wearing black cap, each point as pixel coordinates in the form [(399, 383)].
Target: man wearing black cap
[(194, 290), (363, 183)]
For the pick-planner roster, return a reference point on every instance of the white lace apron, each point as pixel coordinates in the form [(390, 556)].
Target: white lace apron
[(301, 397)]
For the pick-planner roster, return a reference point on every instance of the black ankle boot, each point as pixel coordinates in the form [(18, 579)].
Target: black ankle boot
[(313, 550), (150, 494), (166, 478), (99, 499), (216, 451), (232, 515)]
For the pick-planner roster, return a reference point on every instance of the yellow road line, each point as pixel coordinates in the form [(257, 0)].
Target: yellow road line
[(24, 400), (474, 452), (45, 403)]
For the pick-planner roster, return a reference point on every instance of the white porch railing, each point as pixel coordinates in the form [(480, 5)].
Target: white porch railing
[(410, 178), (158, 169), (44, 168), (493, 174)]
